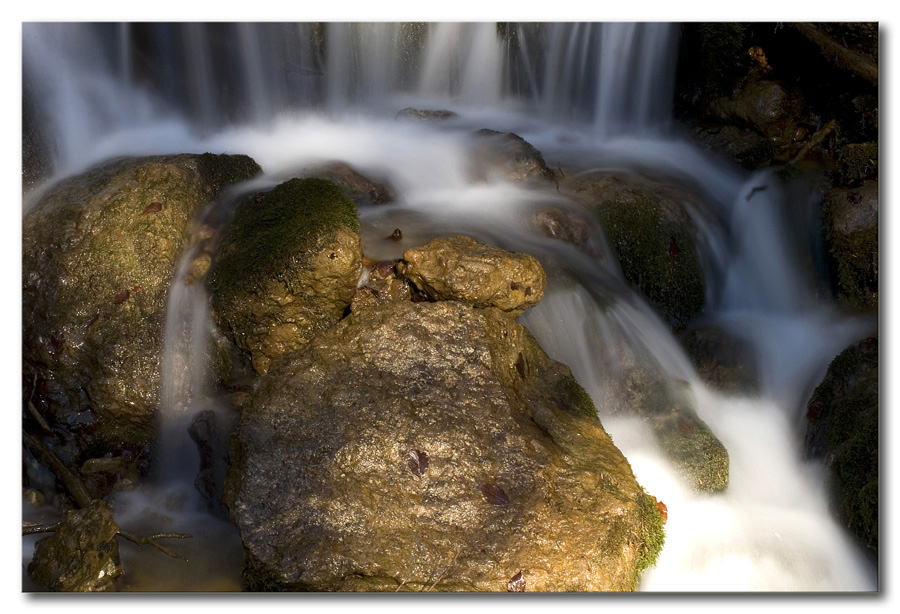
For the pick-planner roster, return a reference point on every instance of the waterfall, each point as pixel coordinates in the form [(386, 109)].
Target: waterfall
[(600, 95)]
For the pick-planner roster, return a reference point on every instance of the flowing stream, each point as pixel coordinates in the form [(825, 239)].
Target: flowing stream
[(591, 96)]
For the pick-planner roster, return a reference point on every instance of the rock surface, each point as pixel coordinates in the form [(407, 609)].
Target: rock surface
[(509, 156), (355, 186), (850, 217), (286, 268), (653, 237), (843, 432), (723, 360), (98, 253), (460, 268), (82, 555), (432, 446)]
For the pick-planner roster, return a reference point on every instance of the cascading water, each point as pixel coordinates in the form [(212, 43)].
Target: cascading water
[(590, 95)]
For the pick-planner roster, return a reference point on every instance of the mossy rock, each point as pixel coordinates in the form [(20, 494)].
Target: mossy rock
[(686, 441), (843, 432), (432, 446), (850, 217), (653, 237), (286, 267), (98, 253)]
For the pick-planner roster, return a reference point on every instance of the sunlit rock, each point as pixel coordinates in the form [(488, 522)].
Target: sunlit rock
[(82, 555), (460, 268), (286, 268), (356, 186), (98, 253), (432, 446)]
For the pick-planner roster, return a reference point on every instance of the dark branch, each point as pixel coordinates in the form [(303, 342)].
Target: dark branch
[(69, 478)]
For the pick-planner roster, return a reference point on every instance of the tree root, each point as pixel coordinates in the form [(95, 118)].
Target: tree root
[(150, 540)]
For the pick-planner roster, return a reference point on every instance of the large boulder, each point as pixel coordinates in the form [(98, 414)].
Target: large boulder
[(432, 446), (286, 268), (843, 432), (82, 555), (358, 187), (459, 268), (98, 253), (652, 234), (724, 361)]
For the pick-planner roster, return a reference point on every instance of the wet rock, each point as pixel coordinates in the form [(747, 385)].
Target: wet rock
[(103, 475), (652, 235), (355, 186), (843, 432), (850, 217), (82, 555), (96, 273), (460, 268), (857, 162), (204, 431), (569, 225), (286, 268), (723, 360), (329, 486), (509, 156), (684, 439), (764, 105), (425, 115)]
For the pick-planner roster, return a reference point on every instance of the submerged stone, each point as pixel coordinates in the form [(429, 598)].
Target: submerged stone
[(509, 156), (432, 446), (460, 268), (98, 253), (82, 555), (286, 268)]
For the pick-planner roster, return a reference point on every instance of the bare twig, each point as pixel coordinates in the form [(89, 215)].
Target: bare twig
[(33, 410), (33, 529), (843, 57), (814, 140), (150, 540)]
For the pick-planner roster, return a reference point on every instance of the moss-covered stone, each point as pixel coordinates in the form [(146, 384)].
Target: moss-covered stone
[(850, 218), (843, 432), (286, 267), (328, 486), (652, 235), (857, 162), (722, 56), (98, 253)]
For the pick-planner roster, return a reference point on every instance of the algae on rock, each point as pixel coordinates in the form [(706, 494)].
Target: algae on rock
[(286, 267)]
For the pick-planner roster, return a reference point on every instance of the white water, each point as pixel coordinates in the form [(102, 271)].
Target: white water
[(597, 99)]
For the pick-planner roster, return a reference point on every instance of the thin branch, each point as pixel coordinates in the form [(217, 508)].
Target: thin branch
[(814, 140), (150, 540), (69, 478), (843, 57), (33, 529)]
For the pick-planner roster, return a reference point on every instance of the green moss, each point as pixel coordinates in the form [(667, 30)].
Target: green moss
[(656, 256), (856, 259), (654, 537), (849, 418), (574, 397), (266, 236), (223, 170), (694, 450)]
